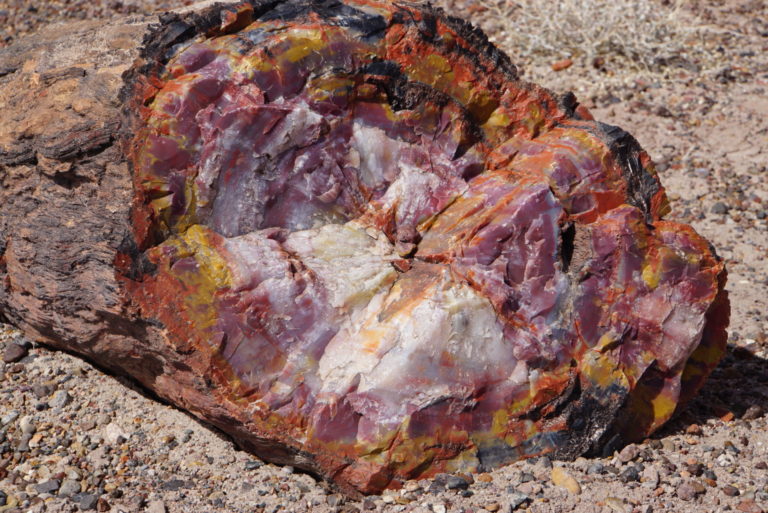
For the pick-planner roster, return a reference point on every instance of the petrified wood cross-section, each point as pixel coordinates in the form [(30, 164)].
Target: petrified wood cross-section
[(362, 246)]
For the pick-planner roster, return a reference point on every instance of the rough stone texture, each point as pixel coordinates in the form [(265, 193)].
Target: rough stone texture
[(349, 236)]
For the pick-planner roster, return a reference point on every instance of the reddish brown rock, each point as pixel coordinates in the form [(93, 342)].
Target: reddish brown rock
[(347, 234), (14, 352)]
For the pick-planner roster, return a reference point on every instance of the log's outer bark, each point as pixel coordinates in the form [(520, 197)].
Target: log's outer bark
[(66, 188), (72, 239)]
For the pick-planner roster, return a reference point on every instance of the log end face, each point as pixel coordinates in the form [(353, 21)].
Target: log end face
[(483, 271), (347, 234)]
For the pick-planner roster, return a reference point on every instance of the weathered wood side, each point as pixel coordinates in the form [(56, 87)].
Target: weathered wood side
[(66, 189), (65, 201)]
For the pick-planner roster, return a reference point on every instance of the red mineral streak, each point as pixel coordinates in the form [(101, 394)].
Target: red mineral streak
[(392, 258)]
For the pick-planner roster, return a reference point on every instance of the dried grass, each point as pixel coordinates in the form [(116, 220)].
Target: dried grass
[(639, 35)]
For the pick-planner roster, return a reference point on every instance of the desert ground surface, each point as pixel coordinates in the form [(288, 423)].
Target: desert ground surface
[(689, 81)]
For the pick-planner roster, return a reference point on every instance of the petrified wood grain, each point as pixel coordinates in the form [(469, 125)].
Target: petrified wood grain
[(348, 235)]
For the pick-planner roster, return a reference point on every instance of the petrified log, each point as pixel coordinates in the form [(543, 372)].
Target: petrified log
[(348, 235)]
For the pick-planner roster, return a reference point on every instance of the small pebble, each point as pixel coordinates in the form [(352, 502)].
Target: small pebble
[(730, 447), (456, 483), (27, 424), (49, 486), (629, 453), (156, 507), (436, 487), (14, 352), (174, 485), (253, 465), (87, 424), (485, 478), (526, 477), (517, 499), (69, 487), (702, 172), (24, 442), (694, 429), (42, 391), (754, 412), (114, 434), (596, 468), (686, 492), (102, 505), (749, 506), (560, 477), (630, 475), (650, 477), (695, 469), (562, 64), (412, 486), (616, 505), (60, 399), (335, 500), (88, 501), (698, 488), (9, 417)]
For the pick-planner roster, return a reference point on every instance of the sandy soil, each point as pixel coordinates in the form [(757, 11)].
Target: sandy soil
[(73, 438)]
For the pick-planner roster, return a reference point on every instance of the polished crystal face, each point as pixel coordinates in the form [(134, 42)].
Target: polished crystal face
[(387, 248)]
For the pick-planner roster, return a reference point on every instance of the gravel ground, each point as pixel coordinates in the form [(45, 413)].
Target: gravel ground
[(21, 17), (75, 439)]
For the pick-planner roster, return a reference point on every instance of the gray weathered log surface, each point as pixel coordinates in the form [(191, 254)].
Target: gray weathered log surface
[(66, 189)]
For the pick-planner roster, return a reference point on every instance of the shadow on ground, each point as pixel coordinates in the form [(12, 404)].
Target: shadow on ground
[(736, 389)]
